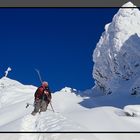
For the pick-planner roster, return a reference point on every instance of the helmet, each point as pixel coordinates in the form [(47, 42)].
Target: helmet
[(44, 84)]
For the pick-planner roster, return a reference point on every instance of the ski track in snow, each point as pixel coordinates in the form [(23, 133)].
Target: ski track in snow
[(46, 121), (49, 121)]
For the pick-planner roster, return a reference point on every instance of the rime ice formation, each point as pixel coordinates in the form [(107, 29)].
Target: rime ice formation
[(117, 54)]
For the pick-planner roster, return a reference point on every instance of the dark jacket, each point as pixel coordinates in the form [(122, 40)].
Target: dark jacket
[(40, 94)]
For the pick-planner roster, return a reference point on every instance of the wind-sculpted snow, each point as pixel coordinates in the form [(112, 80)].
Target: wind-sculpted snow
[(117, 54), (132, 110)]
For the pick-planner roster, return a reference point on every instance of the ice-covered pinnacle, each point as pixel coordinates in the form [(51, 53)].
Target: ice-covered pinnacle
[(129, 11), (116, 56), (124, 24), (129, 4)]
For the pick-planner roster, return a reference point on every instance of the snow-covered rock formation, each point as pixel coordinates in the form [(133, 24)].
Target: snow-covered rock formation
[(117, 54)]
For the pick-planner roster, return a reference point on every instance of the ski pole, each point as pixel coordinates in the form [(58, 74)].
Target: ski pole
[(52, 107)]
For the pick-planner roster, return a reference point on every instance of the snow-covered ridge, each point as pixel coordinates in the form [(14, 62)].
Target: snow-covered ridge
[(12, 92), (7, 82), (117, 54), (68, 90)]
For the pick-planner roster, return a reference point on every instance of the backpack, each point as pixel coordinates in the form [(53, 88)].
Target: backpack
[(41, 95)]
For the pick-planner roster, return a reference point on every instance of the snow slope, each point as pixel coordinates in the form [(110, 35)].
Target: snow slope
[(73, 113)]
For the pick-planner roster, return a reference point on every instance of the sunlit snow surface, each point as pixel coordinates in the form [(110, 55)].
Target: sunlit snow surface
[(73, 112)]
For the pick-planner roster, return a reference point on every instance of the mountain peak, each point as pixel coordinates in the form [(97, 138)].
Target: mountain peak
[(129, 11), (126, 19), (116, 56), (129, 4)]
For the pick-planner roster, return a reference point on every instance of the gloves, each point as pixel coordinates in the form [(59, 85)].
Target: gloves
[(47, 93)]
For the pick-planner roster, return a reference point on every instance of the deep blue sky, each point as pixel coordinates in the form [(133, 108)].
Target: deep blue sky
[(57, 41)]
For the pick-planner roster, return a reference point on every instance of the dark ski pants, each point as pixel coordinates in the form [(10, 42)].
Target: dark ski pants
[(40, 106)]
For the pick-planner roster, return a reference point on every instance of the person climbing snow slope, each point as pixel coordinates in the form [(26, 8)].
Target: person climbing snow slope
[(42, 98)]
